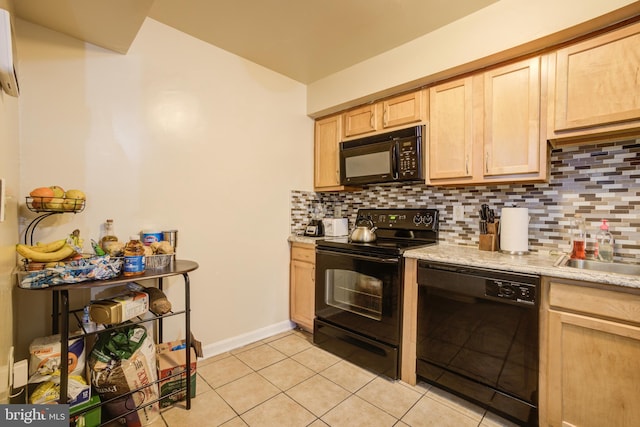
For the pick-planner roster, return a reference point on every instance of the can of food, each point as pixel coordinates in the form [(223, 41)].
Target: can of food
[(171, 236), (151, 236)]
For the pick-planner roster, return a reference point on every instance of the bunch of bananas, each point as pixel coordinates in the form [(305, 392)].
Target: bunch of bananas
[(46, 252)]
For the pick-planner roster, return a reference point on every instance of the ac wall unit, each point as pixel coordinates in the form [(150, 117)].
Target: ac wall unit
[(8, 77)]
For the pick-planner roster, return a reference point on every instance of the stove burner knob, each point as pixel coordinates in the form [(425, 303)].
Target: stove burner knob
[(417, 219)]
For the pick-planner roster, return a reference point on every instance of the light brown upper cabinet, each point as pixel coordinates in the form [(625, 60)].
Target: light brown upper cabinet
[(326, 147), (361, 120), (594, 87), (512, 119), (450, 130), (387, 114), (486, 128), (326, 165)]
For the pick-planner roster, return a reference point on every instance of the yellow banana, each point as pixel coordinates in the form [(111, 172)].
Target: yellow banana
[(49, 247), (27, 251)]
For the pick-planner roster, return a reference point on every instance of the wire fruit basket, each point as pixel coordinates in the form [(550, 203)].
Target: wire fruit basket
[(55, 204)]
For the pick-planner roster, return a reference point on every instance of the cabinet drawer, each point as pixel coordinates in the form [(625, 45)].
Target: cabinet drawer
[(303, 252), (603, 303)]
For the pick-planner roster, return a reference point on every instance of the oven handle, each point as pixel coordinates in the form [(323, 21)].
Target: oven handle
[(362, 257)]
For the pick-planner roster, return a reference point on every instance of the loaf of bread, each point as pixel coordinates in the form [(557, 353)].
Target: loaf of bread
[(158, 302)]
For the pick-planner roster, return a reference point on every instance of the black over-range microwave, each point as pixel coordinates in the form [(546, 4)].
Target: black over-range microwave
[(389, 157)]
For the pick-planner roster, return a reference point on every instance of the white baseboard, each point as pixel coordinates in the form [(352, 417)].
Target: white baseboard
[(232, 343)]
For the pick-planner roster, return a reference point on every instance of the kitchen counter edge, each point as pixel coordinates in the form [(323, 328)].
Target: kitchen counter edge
[(532, 263)]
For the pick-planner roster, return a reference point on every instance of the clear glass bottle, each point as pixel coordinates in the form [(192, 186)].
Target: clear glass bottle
[(578, 238), (134, 261), (108, 236), (604, 243)]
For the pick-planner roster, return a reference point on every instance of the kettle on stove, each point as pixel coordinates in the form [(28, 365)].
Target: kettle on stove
[(364, 233)]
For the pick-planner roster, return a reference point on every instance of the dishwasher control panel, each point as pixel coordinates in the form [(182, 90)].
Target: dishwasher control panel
[(514, 291)]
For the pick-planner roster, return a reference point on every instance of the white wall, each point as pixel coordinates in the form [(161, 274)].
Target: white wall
[(498, 27), (10, 171), (174, 134)]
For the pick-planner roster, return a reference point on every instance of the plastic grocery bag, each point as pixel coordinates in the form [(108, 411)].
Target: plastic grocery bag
[(123, 360), (45, 358)]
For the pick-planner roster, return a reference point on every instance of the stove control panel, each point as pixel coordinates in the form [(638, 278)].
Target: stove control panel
[(405, 219)]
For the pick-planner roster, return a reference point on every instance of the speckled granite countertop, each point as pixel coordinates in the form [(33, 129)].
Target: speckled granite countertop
[(542, 264), (535, 263), (304, 239)]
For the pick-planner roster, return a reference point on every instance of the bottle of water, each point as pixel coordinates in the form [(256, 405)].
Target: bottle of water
[(87, 324), (134, 261)]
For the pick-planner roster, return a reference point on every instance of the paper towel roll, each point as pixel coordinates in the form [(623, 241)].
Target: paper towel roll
[(514, 230)]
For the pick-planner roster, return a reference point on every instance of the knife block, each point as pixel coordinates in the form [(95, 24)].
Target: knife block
[(490, 241)]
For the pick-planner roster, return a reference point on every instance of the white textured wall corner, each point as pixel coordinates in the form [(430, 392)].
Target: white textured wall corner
[(10, 169), (175, 134)]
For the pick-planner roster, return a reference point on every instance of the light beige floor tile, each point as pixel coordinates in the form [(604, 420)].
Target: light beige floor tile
[(260, 357), (492, 420), (318, 394), (303, 334), (277, 336), (390, 396), (208, 360), (247, 392), (421, 385), (278, 411), (432, 413), (291, 344), (355, 412), (224, 371), (318, 423), (246, 347), (472, 411), (348, 375), (208, 410), (316, 359), (234, 422), (286, 373), (201, 385)]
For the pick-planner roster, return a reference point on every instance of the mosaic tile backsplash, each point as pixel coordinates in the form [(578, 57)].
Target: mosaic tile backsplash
[(597, 181)]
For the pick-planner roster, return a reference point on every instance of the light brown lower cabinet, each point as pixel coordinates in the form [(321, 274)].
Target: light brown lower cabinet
[(590, 357), (302, 285)]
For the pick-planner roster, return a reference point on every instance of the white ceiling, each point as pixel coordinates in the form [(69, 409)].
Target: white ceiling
[(305, 40)]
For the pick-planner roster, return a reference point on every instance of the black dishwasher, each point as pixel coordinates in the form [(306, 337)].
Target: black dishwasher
[(478, 336)]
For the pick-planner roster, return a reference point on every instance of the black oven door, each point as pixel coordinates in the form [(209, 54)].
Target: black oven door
[(360, 293)]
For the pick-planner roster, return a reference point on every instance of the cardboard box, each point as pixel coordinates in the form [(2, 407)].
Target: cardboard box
[(92, 418), (172, 358), (83, 397)]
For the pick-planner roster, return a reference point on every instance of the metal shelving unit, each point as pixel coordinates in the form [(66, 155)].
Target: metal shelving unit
[(62, 314)]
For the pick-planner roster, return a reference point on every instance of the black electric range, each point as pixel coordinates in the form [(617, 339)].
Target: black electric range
[(359, 288), (396, 231)]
